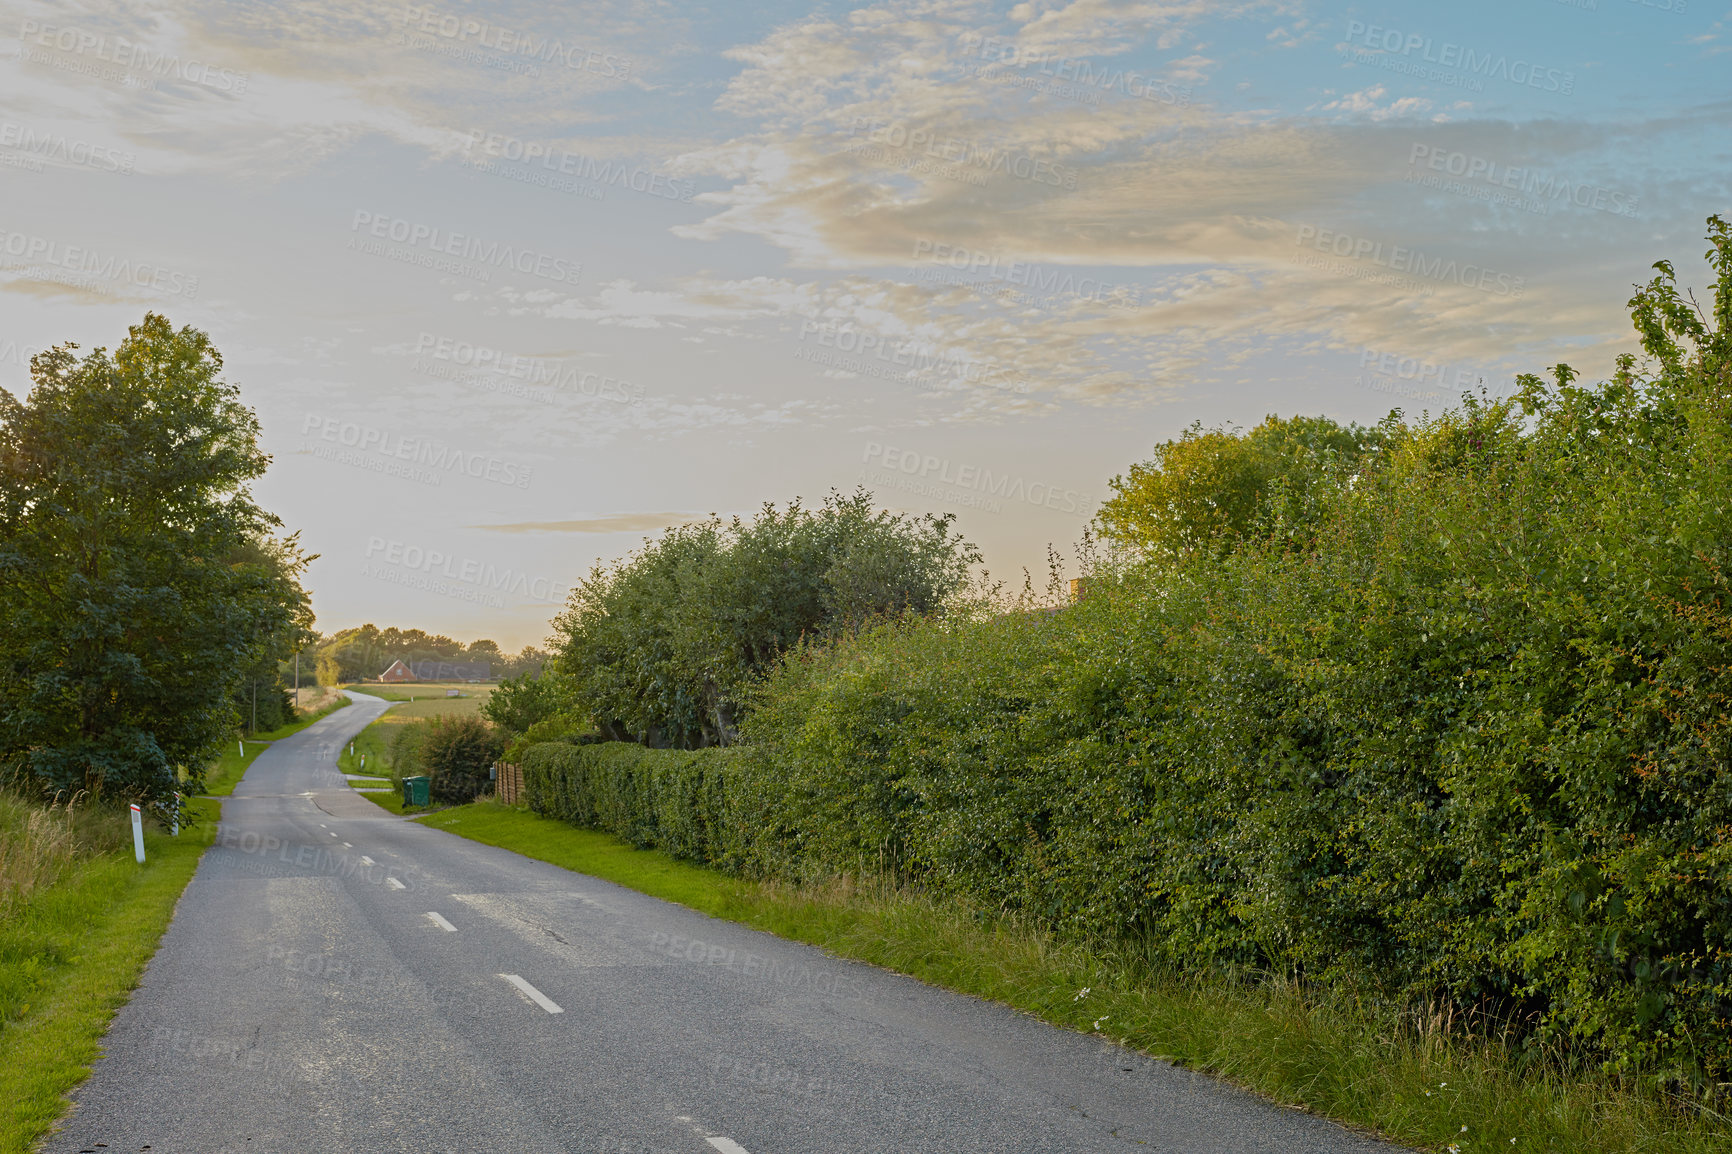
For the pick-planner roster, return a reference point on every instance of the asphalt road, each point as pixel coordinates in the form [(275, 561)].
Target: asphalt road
[(338, 979)]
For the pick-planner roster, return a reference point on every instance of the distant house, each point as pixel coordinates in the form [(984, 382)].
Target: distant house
[(398, 672)]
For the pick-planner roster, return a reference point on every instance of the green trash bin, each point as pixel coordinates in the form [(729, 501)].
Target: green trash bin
[(415, 790)]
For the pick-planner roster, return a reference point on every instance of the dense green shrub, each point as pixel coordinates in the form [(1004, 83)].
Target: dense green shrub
[(1462, 734), (457, 752), (660, 647), (521, 702)]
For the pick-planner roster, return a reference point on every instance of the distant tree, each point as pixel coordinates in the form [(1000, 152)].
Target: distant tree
[(484, 650), (138, 578), (528, 660), (367, 651), (663, 646)]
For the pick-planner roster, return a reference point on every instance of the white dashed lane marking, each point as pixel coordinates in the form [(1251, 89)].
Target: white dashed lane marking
[(346, 845), (365, 860), (726, 1145), (395, 884), (439, 920), (533, 994)]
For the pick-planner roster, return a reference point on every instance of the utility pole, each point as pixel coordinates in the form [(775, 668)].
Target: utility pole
[(255, 705), (297, 681)]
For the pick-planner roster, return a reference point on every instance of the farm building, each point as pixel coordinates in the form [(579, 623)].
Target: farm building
[(398, 672)]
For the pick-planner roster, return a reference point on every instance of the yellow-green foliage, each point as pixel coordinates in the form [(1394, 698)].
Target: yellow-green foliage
[(1210, 486)]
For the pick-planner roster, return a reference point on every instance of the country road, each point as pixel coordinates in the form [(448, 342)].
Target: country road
[(337, 979)]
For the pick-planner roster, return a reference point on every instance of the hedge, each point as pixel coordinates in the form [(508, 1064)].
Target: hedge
[(686, 802), (1471, 744)]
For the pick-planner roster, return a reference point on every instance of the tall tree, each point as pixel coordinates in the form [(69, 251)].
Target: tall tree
[(138, 578)]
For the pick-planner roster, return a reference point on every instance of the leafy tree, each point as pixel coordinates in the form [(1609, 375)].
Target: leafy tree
[(1209, 487), (263, 697), (522, 701), (484, 650), (662, 647), (138, 581)]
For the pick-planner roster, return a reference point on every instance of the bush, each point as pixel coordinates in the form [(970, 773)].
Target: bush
[(457, 752), (521, 702), (663, 647), (39, 842)]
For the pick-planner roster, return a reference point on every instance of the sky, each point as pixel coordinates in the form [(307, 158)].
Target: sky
[(514, 286)]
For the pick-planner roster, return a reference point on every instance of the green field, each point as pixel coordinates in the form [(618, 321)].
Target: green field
[(429, 698)]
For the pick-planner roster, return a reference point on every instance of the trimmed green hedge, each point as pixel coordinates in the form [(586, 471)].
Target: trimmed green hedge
[(686, 802)]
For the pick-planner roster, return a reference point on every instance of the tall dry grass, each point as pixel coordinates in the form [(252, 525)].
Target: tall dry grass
[(38, 843)]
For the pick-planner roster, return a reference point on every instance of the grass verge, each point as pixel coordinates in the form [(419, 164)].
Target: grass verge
[(392, 803), (70, 956), (220, 780), (1406, 1076)]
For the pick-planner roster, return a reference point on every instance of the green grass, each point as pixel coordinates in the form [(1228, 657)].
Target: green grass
[(1406, 1076), (373, 745), (392, 803), (69, 958), (221, 778), (599, 854)]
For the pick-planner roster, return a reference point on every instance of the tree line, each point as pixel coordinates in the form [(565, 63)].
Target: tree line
[(366, 651)]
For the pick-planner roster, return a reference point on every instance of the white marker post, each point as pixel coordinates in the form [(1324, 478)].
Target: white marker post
[(137, 834), (175, 832)]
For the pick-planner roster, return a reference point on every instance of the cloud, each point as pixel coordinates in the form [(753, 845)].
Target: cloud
[(855, 155), (1365, 103), (272, 89)]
